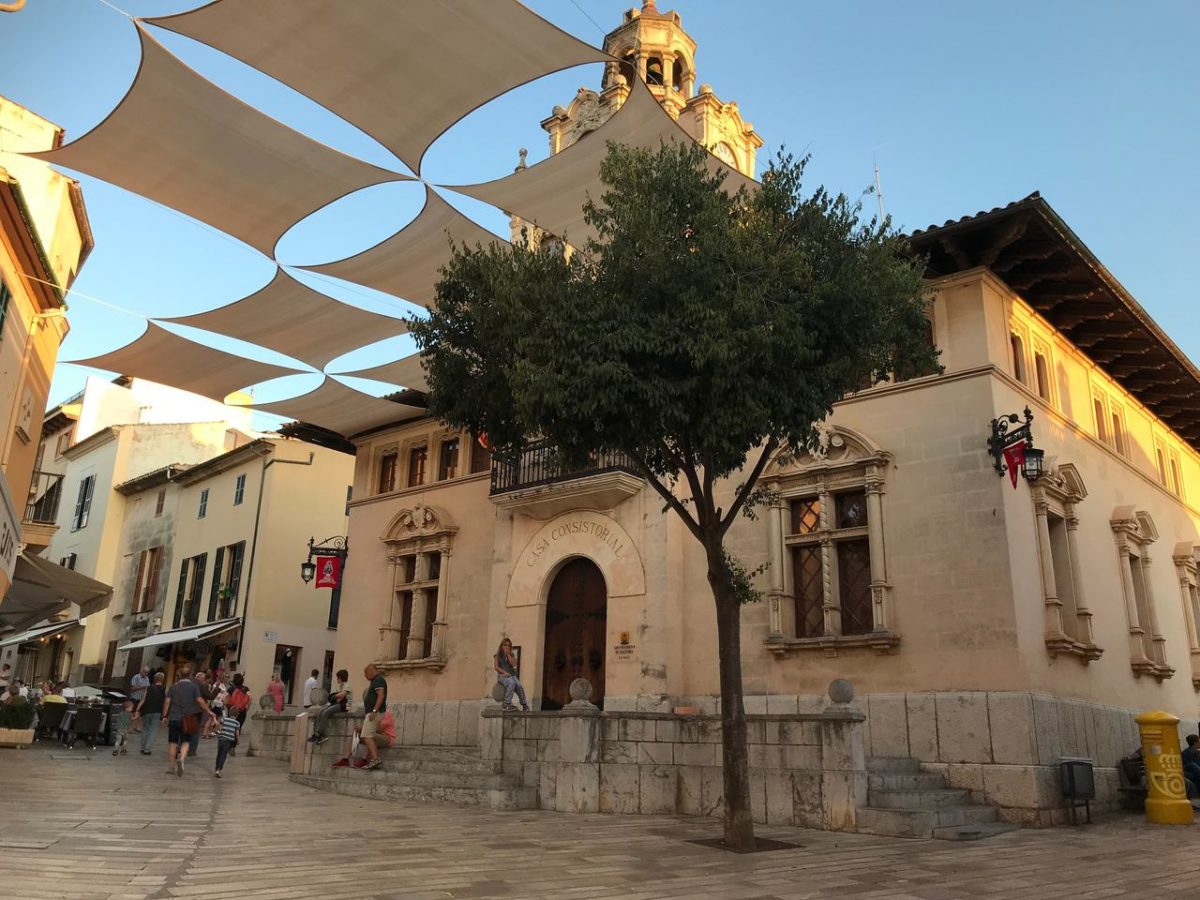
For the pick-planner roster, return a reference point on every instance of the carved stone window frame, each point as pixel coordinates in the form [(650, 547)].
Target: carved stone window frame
[(1134, 532), (420, 531), (1057, 493), (842, 460), (1189, 594)]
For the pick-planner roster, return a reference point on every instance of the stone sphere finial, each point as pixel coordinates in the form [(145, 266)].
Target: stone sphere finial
[(581, 689), (841, 690), (706, 89), (266, 702)]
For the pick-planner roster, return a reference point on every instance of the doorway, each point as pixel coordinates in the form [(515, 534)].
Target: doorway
[(576, 632), (287, 660)]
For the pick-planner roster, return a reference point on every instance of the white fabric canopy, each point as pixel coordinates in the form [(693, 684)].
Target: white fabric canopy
[(181, 140), (402, 72), (407, 264), (406, 372), (181, 635), (341, 409), (41, 631), (293, 319), (158, 355), (551, 194)]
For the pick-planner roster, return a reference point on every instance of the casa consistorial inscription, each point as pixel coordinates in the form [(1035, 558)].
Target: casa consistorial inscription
[(582, 526)]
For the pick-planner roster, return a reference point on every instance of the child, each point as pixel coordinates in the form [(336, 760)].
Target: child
[(122, 725), (227, 738)]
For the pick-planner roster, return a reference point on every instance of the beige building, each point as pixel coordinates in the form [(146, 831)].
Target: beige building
[(989, 631), (220, 586)]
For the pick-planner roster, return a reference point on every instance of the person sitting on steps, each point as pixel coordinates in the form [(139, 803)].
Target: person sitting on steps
[(506, 672)]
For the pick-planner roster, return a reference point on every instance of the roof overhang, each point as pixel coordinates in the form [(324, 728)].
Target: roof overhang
[(1032, 250)]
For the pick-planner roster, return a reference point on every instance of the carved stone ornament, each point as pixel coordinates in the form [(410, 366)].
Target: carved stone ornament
[(419, 521)]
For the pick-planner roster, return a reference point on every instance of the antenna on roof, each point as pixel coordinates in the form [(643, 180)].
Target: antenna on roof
[(878, 186)]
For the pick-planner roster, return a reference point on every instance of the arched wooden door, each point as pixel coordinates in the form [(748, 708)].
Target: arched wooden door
[(576, 616)]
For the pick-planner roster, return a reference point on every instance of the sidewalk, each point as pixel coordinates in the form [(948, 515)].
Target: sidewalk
[(80, 824)]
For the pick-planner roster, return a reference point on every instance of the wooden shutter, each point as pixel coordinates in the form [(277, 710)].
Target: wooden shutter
[(89, 485), (216, 585), (136, 603), (183, 572), (235, 577), (150, 599)]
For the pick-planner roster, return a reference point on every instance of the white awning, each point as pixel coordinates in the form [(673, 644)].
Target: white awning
[(41, 631), (182, 635)]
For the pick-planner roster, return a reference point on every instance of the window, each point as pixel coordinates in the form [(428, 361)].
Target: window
[(203, 504), (677, 74), (1176, 476), (239, 490), (226, 582), (1018, 357), (654, 70), (1098, 411), (448, 459), (349, 497), (417, 458), (83, 503), (62, 443), (5, 297), (1118, 429), (190, 590), (1068, 621), (68, 561), (159, 502), (1186, 569), (628, 67), (1161, 463), (1135, 532), (145, 586), (414, 635), (1041, 371), (481, 456), (387, 472)]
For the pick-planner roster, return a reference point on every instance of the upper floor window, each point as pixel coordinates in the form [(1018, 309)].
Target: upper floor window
[(1176, 474), (5, 298), (226, 582), (83, 503), (68, 561), (1160, 462), (1018, 357), (190, 590), (203, 511), (481, 456), (1135, 532), (239, 490), (1041, 372), (145, 586), (1099, 414), (1186, 570), (386, 480), (448, 459), (62, 442), (417, 458), (159, 502), (414, 633)]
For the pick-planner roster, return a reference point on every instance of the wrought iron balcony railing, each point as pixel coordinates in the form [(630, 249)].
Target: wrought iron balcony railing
[(540, 463), (45, 492)]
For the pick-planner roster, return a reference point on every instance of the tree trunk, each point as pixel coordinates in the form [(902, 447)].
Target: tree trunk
[(739, 825)]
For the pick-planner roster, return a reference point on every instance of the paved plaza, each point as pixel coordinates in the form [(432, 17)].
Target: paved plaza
[(83, 824)]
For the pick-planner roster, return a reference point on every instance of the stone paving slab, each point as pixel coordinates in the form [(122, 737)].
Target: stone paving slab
[(121, 829)]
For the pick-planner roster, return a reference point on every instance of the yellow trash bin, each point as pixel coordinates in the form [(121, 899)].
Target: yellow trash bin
[(1166, 791)]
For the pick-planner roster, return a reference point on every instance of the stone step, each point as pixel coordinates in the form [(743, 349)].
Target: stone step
[(926, 781), (918, 799), (374, 786), (893, 765), (483, 782), (920, 823), (457, 765), (972, 832)]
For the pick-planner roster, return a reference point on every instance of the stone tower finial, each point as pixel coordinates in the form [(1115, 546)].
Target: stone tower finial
[(521, 164)]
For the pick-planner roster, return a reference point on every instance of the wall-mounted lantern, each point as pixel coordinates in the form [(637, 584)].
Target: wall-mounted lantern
[(1012, 448)]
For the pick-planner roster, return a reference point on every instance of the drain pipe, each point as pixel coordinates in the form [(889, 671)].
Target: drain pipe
[(262, 481)]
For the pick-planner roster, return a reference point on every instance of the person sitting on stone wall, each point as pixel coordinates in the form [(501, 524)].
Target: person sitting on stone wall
[(1191, 763), (505, 665), (359, 756), (339, 700)]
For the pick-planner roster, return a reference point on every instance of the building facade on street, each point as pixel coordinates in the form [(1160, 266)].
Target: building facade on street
[(990, 627)]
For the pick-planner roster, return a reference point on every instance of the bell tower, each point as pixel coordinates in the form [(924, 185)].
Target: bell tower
[(652, 46)]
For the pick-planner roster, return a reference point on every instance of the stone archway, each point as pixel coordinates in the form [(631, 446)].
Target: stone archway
[(575, 637)]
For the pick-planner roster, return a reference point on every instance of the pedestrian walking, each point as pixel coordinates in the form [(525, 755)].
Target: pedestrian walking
[(150, 711), (122, 724), (227, 739), (137, 690), (506, 672), (275, 689), (182, 712), (310, 685)]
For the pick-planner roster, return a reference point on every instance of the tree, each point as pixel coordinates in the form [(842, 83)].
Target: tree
[(699, 333)]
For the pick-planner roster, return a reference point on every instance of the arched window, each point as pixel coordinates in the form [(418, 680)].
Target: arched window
[(1018, 353), (654, 70), (677, 72), (628, 67)]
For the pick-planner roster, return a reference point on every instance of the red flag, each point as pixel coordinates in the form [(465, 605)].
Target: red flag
[(1014, 456), (329, 571)]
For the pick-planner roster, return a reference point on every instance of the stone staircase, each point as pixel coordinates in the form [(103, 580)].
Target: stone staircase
[(904, 801), (454, 775)]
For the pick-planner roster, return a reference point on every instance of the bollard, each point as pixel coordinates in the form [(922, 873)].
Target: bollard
[(1166, 792)]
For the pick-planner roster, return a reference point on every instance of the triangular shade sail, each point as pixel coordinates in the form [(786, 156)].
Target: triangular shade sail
[(406, 372), (402, 72), (407, 264), (181, 140), (158, 355), (551, 194), (341, 409), (293, 319)]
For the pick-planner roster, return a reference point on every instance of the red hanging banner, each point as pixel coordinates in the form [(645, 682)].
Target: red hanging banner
[(329, 571), (1014, 457)]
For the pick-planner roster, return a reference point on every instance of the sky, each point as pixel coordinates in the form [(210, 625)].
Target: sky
[(963, 106)]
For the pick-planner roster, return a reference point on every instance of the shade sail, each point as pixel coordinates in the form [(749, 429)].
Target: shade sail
[(182, 635), (406, 372), (341, 409), (293, 319), (40, 588), (181, 140), (407, 264), (41, 631), (551, 194), (402, 72), (158, 355)]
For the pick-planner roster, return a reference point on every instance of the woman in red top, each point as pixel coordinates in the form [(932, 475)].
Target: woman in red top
[(275, 689)]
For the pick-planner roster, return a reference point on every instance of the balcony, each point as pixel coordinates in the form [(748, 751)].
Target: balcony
[(41, 510), (538, 483)]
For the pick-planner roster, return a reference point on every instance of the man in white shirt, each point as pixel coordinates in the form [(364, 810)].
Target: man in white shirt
[(311, 685)]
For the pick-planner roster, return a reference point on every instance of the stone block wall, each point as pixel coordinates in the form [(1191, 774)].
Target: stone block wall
[(270, 735)]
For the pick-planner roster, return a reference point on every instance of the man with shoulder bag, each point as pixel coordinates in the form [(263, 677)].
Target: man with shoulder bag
[(184, 705)]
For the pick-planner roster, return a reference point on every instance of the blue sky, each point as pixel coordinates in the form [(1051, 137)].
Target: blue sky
[(966, 106)]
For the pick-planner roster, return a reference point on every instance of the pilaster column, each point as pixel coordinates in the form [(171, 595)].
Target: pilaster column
[(438, 650), (1158, 645), (389, 633), (1083, 613), (1053, 606), (775, 528), (1137, 646), (831, 607), (874, 490)]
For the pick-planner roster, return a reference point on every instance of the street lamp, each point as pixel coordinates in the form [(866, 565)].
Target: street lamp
[(338, 546), (1014, 446)]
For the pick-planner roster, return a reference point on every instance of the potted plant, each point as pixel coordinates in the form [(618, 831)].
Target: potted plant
[(16, 725)]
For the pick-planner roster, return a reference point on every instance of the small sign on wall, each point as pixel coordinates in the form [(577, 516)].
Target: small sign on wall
[(623, 650), (270, 637)]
